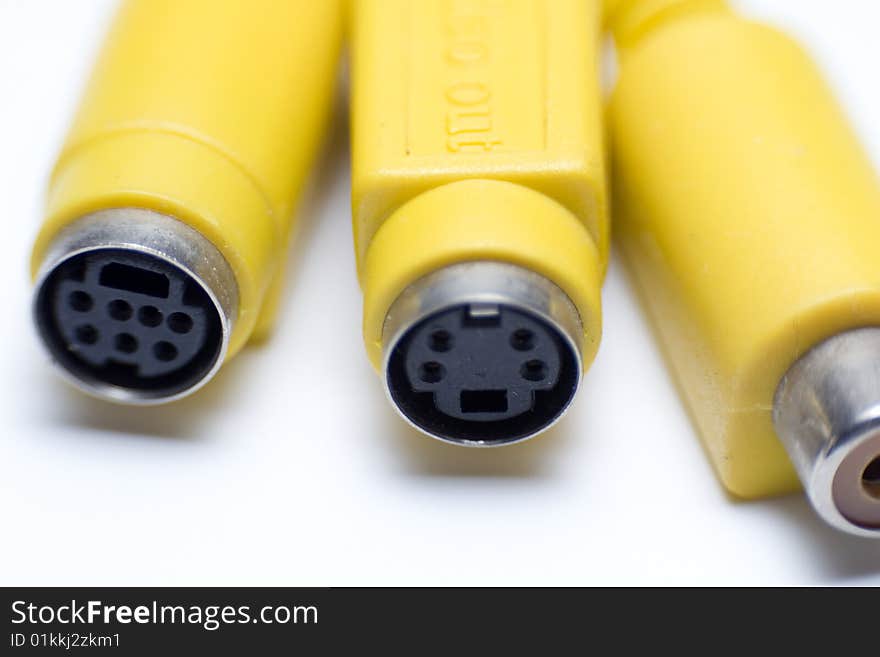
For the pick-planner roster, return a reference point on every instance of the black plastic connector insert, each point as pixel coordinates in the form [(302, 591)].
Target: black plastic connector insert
[(129, 320), (483, 374)]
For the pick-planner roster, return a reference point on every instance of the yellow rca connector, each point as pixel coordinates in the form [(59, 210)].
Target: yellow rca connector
[(750, 218), (172, 202), (479, 204)]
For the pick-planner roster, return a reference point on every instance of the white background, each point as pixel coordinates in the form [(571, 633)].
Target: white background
[(292, 469)]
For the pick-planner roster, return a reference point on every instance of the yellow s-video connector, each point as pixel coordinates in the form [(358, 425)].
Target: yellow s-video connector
[(750, 217), (170, 207), (479, 204)]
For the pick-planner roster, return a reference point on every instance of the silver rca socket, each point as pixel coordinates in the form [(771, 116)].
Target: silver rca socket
[(827, 414)]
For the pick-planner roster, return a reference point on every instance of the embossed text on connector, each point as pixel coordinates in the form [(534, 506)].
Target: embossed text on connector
[(462, 55)]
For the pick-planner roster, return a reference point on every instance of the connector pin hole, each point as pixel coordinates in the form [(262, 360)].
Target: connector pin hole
[(440, 340), (522, 340), (180, 323), (86, 334), (164, 351), (534, 370), (81, 301), (119, 310), (871, 479), (126, 343), (432, 372), (150, 316)]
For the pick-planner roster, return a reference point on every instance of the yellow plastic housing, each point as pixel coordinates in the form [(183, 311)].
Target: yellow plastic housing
[(212, 112), (747, 211), (477, 135)]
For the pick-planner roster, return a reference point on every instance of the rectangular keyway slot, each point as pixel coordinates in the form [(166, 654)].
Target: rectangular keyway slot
[(482, 315), (134, 279), (483, 401)]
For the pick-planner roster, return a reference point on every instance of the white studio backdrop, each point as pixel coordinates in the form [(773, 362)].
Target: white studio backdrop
[(292, 469)]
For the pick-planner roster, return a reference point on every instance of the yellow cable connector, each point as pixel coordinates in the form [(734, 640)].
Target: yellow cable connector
[(172, 202), (750, 218), (479, 201)]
